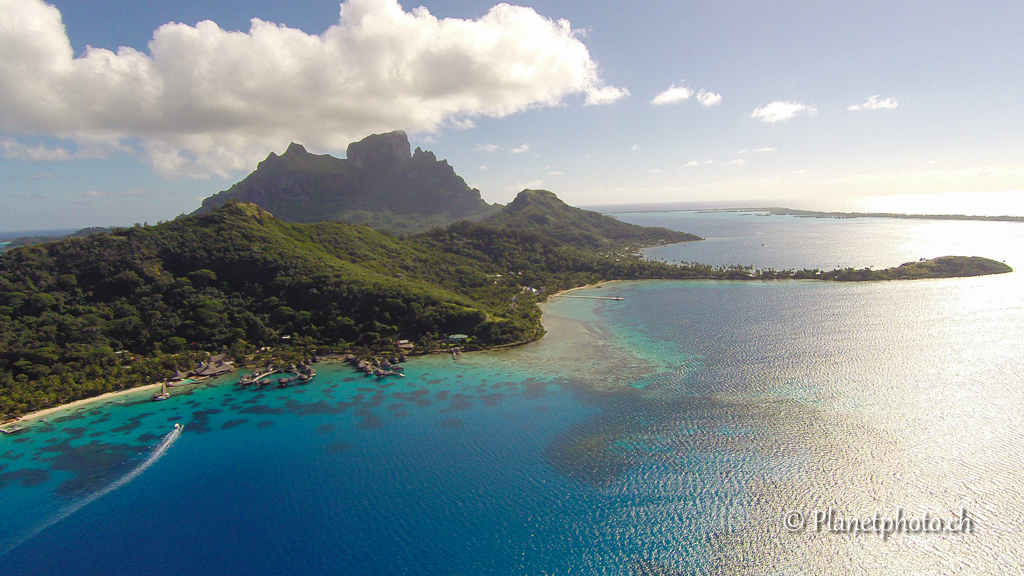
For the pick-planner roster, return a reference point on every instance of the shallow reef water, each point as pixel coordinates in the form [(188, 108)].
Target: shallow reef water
[(671, 432)]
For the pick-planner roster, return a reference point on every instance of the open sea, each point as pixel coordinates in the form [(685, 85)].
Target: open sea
[(694, 427)]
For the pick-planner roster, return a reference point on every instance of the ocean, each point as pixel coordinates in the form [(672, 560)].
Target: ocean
[(694, 427)]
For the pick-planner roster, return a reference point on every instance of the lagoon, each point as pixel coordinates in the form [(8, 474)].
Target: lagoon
[(668, 432)]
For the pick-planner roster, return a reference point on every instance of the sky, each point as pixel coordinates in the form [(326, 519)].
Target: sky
[(116, 111)]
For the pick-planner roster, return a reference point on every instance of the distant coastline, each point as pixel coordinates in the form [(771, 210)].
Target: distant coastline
[(782, 211)]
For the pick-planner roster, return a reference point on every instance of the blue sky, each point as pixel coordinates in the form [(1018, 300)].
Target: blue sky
[(102, 138)]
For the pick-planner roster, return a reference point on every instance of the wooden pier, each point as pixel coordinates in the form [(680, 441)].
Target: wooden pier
[(594, 297), (271, 373)]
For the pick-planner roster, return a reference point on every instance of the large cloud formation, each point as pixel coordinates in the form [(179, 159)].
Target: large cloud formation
[(205, 100)]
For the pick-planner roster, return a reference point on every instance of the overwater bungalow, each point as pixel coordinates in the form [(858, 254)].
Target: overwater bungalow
[(216, 366)]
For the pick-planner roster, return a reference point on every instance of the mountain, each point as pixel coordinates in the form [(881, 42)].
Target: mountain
[(381, 184), (543, 212)]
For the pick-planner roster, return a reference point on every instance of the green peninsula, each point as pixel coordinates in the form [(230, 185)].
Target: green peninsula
[(83, 316)]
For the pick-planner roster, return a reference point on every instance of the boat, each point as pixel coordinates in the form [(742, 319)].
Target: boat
[(163, 395), (178, 427)]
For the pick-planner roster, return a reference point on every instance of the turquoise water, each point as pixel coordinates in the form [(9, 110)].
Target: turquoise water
[(665, 433)]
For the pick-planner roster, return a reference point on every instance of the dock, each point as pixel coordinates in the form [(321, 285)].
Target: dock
[(595, 297), (272, 372)]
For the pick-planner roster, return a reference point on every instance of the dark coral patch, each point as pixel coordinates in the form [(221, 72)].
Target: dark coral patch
[(368, 420), (127, 428), (492, 400), (460, 402), (337, 447), (27, 477), (94, 464), (200, 423), (263, 410)]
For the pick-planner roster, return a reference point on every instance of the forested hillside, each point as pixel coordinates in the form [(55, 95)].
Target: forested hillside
[(87, 315)]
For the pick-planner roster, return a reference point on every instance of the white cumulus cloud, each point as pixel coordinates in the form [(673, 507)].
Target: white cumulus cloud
[(693, 163), (204, 100), (532, 185), (765, 149), (604, 95), (486, 147), (737, 162), (708, 98), (120, 194), (781, 110), (520, 149), (672, 95), (875, 103), (15, 150)]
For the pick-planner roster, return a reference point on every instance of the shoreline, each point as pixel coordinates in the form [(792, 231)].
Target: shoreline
[(108, 395), (53, 409), (597, 285), (32, 416), (783, 211)]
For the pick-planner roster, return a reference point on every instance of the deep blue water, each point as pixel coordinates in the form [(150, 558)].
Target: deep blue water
[(665, 433)]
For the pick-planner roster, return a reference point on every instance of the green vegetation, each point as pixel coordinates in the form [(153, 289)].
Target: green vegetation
[(775, 211), (17, 242), (83, 316), (943, 267), (542, 212)]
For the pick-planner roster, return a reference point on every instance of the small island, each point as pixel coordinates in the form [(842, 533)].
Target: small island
[(942, 267)]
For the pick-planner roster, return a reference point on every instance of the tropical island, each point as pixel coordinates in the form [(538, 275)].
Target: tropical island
[(779, 211), (124, 307)]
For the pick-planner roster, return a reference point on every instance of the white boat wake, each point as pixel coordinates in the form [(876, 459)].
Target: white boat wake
[(151, 459)]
